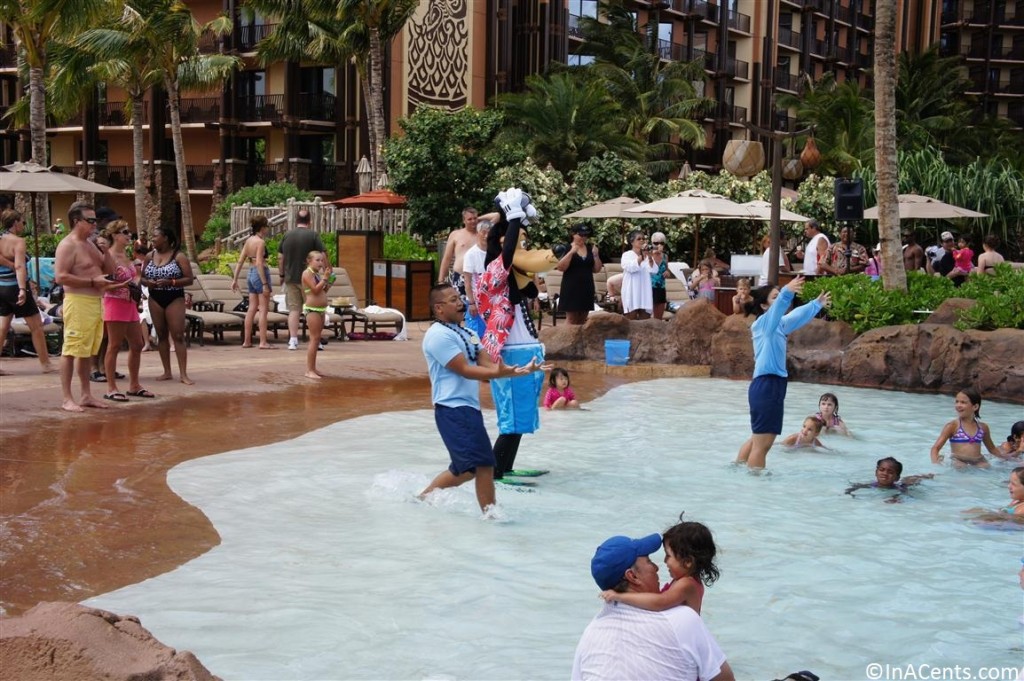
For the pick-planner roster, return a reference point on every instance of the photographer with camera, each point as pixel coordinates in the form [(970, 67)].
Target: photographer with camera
[(845, 256), (637, 268)]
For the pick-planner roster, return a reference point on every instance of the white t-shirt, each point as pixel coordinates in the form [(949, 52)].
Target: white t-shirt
[(473, 265), (623, 642), (765, 259), (811, 254)]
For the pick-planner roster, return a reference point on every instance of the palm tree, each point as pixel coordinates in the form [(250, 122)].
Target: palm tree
[(931, 107), (172, 35), (120, 55), (370, 25), (843, 121), (894, 276), (565, 119), (35, 23), (659, 102)]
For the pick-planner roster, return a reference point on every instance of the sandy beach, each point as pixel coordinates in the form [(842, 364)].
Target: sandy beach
[(83, 497)]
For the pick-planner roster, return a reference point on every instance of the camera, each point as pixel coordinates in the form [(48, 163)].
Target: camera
[(648, 247), (848, 252)]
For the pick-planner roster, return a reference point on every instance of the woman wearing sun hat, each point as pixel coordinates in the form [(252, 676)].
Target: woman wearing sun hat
[(578, 266)]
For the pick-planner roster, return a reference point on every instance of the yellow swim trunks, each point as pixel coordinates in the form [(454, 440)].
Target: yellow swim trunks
[(83, 325)]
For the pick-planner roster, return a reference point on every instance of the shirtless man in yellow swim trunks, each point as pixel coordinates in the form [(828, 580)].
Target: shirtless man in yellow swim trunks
[(81, 269)]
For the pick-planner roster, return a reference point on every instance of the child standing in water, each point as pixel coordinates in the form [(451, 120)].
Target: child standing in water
[(1013, 448), (560, 395), (808, 435), (966, 434), (690, 558), (315, 282), (828, 412)]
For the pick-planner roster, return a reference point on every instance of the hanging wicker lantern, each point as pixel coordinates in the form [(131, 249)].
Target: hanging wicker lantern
[(810, 157), (792, 168), (743, 158)]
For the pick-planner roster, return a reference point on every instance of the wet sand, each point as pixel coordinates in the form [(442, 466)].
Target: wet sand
[(84, 504)]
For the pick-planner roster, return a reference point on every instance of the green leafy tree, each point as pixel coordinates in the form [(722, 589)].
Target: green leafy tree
[(566, 119), (444, 162), (660, 107), (172, 34), (611, 176), (931, 107), (844, 123), (35, 24)]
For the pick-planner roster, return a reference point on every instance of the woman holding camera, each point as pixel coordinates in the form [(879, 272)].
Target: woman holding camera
[(637, 267), (121, 316)]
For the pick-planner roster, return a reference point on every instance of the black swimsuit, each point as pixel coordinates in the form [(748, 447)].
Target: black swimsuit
[(172, 270)]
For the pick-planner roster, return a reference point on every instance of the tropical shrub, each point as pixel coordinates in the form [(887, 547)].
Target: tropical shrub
[(274, 194), (864, 304), (406, 247)]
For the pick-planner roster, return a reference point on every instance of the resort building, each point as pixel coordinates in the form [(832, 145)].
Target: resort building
[(307, 122)]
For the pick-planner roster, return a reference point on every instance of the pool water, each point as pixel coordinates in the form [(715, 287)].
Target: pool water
[(329, 568)]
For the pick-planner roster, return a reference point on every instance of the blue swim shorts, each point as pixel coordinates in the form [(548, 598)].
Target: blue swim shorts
[(517, 399), (464, 434), (767, 398)]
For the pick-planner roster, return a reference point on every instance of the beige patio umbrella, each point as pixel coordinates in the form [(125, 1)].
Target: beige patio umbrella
[(696, 203), (926, 208), (762, 210), (32, 178), (612, 208)]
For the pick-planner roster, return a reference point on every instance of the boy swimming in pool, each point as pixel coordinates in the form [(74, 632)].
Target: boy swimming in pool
[(887, 476), (808, 435)]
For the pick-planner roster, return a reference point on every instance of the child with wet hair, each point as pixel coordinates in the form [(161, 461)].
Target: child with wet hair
[(828, 412), (808, 435), (690, 558), (887, 476)]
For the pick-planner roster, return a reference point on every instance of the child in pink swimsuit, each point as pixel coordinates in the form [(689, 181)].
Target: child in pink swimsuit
[(560, 395), (963, 258)]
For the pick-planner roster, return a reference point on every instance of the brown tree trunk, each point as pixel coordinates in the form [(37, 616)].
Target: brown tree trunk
[(370, 129), (894, 276), (188, 235), (37, 126), (377, 100), (138, 141)]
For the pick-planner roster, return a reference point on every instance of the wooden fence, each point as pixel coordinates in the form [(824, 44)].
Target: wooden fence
[(325, 218)]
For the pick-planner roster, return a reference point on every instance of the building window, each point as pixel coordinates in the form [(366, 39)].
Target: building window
[(580, 59), (583, 8)]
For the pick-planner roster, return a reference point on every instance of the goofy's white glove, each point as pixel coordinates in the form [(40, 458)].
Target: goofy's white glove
[(510, 202)]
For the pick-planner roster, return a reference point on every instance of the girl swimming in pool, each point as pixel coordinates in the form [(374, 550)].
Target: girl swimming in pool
[(1016, 506), (828, 412), (690, 558), (808, 435), (887, 476), (560, 395), (966, 434)]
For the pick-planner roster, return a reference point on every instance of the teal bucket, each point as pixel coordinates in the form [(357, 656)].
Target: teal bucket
[(616, 352)]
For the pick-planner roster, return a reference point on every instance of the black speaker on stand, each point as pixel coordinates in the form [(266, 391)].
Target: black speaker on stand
[(849, 199)]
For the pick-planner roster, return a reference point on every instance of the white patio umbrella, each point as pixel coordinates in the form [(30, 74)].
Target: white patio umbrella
[(612, 208), (696, 203), (32, 178), (926, 208), (762, 210)]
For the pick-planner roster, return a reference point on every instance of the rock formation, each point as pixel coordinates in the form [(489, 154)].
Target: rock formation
[(70, 642)]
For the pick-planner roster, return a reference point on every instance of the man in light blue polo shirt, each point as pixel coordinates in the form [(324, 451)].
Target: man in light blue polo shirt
[(456, 363)]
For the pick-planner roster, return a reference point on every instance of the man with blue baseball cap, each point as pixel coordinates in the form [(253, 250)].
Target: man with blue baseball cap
[(623, 642)]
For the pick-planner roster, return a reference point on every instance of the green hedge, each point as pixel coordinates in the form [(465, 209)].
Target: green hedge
[(864, 304)]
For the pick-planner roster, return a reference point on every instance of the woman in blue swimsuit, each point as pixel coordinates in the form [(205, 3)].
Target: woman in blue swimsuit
[(966, 434)]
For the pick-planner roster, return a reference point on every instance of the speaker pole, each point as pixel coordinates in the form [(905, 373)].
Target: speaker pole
[(777, 137)]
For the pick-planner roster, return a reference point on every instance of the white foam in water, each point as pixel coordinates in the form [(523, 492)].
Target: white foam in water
[(329, 568)]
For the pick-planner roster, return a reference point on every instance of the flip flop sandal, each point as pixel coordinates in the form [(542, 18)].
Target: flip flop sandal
[(141, 392), (115, 397), (98, 377)]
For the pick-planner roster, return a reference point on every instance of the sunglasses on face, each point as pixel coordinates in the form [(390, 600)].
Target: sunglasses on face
[(91, 221), (125, 232)]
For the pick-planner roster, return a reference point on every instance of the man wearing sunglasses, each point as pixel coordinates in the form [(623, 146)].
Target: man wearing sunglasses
[(81, 269)]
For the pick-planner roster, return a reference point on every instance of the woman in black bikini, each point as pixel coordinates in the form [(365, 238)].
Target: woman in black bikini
[(166, 272)]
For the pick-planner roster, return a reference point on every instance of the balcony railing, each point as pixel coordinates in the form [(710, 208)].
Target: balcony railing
[(844, 14), (739, 113), (322, 176), (317, 106), (739, 21), (787, 81), (246, 37), (260, 108), (120, 177), (199, 109), (8, 56), (1015, 113), (789, 37), (574, 26), (260, 173), (67, 170), (208, 42), (199, 177), (737, 68), (120, 113)]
